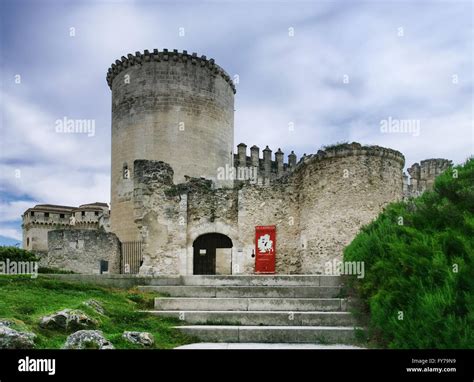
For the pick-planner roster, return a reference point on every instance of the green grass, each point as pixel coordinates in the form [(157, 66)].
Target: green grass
[(419, 267), (25, 300)]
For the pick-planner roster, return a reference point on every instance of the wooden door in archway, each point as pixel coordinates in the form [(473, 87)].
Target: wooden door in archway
[(204, 251)]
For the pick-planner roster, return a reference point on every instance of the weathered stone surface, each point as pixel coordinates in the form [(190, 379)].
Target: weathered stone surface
[(68, 319), (87, 339), (81, 251), (173, 111), (139, 338), (14, 339), (318, 207), (96, 305), (42, 218)]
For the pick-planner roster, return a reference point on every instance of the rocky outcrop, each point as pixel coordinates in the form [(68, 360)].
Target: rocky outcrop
[(14, 339), (68, 319), (144, 339), (87, 339)]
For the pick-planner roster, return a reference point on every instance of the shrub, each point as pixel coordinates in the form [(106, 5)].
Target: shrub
[(16, 254), (419, 266)]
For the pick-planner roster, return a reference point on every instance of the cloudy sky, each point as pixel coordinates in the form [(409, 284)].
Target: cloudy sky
[(331, 69)]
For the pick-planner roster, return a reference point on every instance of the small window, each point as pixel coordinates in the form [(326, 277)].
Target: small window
[(83, 213), (61, 216), (46, 214), (27, 242), (96, 213), (32, 213)]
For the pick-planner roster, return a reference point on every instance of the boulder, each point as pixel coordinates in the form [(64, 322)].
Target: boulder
[(96, 305), (87, 339), (14, 339), (68, 319), (139, 338)]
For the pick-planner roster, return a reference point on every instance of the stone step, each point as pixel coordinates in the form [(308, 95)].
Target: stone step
[(246, 291), (271, 334), (266, 304), (263, 280), (260, 318)]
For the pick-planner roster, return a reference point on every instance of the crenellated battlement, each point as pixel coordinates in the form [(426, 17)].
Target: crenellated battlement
[(269, 169), (423, 175), (351, 149), (265, 168), (165, 55)]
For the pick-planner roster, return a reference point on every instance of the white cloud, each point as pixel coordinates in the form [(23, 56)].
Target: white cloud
[(11, 233), (283, 80), (12, 210)]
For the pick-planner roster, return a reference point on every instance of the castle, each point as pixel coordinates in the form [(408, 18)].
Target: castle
[(182, 202)]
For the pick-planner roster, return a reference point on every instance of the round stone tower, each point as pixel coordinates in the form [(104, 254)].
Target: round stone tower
[(168, 106)]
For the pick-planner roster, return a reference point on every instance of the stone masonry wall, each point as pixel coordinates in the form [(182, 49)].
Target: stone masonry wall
[(157, 215), (317, 209), (167, 106), (81, 251), (340, 191)]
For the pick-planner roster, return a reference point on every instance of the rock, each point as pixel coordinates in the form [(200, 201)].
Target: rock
[(96, 305), (87, 339), (7, 323), (139, 338), (14, 339), (68, 319)]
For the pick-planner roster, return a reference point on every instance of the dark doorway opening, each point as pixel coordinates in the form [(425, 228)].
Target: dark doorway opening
[(104, 266), (204, 249)]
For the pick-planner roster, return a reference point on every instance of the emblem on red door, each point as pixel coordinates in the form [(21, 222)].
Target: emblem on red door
[(265, 248)]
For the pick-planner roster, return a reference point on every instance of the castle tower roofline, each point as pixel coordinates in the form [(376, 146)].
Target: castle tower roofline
[(165, 55), (354, 148)]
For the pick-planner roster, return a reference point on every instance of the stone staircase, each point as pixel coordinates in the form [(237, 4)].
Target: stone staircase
[(258, 308)]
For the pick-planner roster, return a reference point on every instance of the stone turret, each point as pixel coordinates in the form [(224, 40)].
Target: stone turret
[(167, 106), (242, 154), (255, 155), (267, 161), (423, 175), (292, 160), (279, 160)]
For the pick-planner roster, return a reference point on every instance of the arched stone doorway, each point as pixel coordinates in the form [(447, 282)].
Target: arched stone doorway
[(212, 254)]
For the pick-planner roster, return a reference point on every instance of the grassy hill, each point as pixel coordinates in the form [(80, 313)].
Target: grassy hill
[(419, 267), (25, 300)]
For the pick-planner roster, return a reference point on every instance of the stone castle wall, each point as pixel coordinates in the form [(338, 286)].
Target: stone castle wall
[(318, 208), (41, 219), (423, 175), (81, 251), (339, 192)]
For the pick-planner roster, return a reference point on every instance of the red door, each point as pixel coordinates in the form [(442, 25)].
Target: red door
[(265, 245)]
